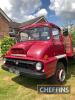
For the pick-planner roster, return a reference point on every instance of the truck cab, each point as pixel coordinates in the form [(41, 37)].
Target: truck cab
[(39, 54)]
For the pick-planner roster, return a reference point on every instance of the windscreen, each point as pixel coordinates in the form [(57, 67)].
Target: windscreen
[(37, 33)]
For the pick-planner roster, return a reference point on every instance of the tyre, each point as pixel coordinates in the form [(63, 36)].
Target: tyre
[(60, 74)]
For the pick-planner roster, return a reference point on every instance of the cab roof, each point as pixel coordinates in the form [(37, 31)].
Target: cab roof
[(39, 25)]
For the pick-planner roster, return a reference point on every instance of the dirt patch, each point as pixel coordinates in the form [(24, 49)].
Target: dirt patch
[(7, 78)]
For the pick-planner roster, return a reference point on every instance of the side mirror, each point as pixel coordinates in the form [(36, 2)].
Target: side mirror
[(65, 32)]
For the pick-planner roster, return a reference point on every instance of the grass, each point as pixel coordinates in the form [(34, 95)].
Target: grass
[(23, 88)]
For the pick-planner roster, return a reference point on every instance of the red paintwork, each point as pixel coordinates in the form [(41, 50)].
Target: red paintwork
[(37, 50), (68, 45)]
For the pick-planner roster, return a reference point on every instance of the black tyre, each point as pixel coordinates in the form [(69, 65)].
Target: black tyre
[(60, 74)]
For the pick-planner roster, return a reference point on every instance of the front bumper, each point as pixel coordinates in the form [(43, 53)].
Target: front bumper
[(26, 72)]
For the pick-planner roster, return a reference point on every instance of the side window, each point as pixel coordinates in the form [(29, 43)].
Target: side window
[(55, 33)]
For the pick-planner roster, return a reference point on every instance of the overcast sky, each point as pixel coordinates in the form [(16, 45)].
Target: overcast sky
[(56, 11)]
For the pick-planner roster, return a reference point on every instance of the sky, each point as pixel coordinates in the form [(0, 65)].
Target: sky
[(60, 12)]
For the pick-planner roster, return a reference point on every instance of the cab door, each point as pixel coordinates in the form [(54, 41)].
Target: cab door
[(57, 42)]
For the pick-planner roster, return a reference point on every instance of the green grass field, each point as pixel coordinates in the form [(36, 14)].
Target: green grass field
[(14, 87)]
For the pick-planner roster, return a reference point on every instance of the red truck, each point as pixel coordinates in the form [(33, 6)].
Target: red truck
[(42, 52)]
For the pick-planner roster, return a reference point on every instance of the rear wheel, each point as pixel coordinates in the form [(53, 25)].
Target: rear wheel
[(60, 74)]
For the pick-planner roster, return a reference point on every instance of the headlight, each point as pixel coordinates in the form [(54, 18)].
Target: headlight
[(4, 60), (38, 66)]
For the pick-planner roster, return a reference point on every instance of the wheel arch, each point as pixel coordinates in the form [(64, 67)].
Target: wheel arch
[(65, 62)]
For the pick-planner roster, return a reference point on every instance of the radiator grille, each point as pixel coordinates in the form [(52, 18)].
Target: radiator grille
[(23, 64)]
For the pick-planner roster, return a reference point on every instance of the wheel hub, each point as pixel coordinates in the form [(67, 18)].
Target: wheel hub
[(61, 75)]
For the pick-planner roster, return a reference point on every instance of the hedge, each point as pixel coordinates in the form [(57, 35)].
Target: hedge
[(6, 44)]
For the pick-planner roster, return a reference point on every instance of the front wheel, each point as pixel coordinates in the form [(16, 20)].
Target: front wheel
[(60, 74)]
